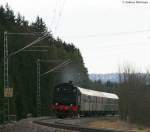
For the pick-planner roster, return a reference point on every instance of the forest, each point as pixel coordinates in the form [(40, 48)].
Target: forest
[(23, 68), (133, 88)]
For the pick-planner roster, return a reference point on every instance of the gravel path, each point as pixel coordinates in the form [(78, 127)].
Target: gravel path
[(26, 125)]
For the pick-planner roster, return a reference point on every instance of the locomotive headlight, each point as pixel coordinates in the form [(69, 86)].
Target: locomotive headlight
[(56, 103)]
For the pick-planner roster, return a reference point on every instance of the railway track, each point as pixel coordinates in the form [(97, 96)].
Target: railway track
[(69, 124)]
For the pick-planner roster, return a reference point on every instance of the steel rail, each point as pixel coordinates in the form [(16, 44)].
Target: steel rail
[(77, 127)]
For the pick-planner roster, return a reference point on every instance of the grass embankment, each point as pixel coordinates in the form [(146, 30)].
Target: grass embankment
[(118, 124)]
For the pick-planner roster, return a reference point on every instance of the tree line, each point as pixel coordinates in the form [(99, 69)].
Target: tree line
[(134, 91)]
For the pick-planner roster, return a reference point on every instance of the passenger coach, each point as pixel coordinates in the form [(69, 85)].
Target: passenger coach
[(70, 100)]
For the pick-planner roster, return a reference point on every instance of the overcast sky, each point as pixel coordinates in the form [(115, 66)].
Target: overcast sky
[(107, 32)]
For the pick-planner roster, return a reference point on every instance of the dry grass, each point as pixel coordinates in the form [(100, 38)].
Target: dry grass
[(117, 124)]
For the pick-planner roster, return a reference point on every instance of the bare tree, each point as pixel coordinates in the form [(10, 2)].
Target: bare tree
[(134, 96)]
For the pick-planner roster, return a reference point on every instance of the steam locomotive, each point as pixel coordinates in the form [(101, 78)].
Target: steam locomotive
[(70, 100)]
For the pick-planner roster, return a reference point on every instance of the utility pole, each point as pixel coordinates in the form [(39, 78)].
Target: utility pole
[(38, 97), (6, 83)]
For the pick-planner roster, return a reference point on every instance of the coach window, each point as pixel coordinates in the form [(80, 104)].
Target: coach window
[(109, 101), (84, 98), (113, 101), (89, 98), (99, 100)]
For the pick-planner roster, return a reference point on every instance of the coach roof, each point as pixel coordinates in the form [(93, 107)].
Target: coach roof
[(97, 93)]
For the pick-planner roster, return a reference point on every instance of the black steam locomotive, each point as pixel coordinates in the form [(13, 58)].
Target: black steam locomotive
[(70, 100)]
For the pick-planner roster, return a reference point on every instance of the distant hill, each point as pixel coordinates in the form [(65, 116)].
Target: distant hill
[(113, 77)]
